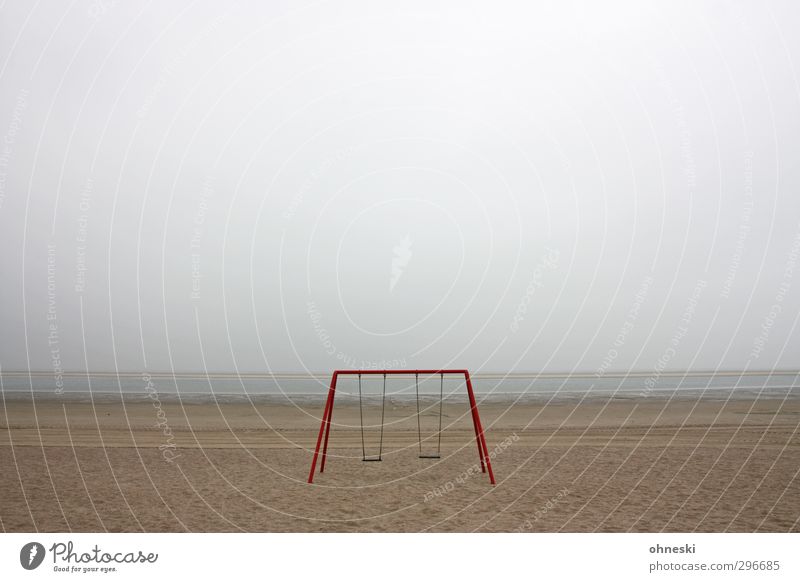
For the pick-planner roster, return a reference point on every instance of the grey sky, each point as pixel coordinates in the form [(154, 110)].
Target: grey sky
[(563, 187)]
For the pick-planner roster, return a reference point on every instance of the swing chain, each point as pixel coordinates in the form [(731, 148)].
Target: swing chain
[(361, 417), (419, 425)]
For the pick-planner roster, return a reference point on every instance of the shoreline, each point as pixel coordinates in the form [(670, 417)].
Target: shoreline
[(709, 393)]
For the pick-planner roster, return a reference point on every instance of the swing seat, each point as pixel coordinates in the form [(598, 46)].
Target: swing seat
[(430, 456), (371, 459)]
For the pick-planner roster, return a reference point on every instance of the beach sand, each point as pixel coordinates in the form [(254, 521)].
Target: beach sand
[(648, 464)]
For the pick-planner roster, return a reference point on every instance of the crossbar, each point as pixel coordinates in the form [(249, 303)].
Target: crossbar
[(397, 372)]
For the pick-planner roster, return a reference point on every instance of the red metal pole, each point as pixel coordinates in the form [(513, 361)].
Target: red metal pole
[(401, 372), (481, 438), (328, 424), (472, 409), (477, 438), (328, 407)]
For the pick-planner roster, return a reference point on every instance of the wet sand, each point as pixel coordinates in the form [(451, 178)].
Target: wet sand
[(594, 465)]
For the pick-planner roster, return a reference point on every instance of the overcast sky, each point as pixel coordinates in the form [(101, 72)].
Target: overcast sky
[(313, 185)]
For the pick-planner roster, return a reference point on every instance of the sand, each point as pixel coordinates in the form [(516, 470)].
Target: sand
[(591, 465)]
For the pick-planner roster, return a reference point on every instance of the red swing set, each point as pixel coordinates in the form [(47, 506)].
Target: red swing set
[(325, 424)]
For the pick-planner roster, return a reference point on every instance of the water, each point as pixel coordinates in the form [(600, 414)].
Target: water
[(487, 386)]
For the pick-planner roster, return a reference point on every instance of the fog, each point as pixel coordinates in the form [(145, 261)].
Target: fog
[(309, 186)]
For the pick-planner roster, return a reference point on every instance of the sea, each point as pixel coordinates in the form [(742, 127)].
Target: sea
[(221, 387)]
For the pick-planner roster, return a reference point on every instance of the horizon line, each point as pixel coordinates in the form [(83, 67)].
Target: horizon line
[(478, 375)]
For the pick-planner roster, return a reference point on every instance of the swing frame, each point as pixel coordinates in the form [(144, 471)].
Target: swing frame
[(325, 423)]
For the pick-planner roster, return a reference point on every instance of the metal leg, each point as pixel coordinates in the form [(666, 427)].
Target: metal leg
[(328, 428), (325, 414), (472, 409), (482, 448)]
